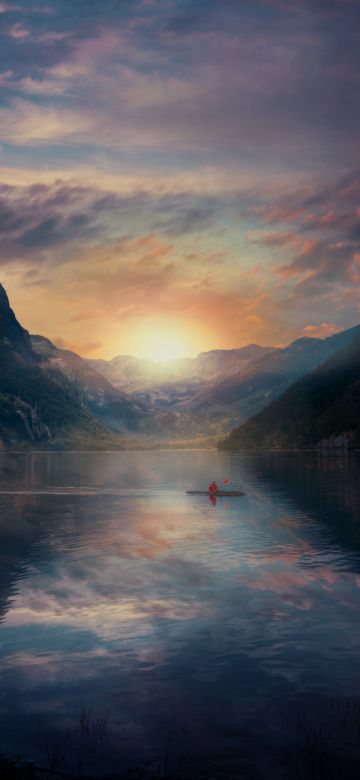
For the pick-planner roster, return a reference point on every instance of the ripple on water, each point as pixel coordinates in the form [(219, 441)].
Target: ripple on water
[(123, 598)]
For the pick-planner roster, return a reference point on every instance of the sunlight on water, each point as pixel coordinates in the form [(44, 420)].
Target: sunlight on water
[(139, 623)]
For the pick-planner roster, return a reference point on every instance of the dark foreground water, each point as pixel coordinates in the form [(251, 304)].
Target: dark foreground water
[(146, 630)]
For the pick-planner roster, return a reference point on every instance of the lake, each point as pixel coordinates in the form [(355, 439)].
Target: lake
[(156, 633)]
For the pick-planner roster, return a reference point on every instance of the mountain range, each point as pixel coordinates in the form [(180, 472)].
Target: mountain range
[(248, 391), (174, 386), (53, 398), (223, 388), (136, 374), (320, 410)]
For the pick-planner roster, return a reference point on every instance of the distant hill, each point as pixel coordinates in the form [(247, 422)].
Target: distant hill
[(135, 375), (170, 388), (39, 407), (320, 410), (250, 390)]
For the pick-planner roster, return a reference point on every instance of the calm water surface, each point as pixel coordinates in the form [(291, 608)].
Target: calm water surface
[(144, 627)]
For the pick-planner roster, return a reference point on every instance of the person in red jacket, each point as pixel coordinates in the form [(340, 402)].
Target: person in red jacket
[(213, 488)]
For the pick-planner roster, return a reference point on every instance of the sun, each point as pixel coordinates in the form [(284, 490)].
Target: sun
[(161, 345), (163, 341)]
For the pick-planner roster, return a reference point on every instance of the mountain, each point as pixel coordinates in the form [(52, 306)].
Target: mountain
[(211, 394), (52, 398), (220, 363), (39, 407), (320, 410), (12, 335), (113, 407), (117, 410), (172, 386), (250, 390), (133, 374), (168, 390)]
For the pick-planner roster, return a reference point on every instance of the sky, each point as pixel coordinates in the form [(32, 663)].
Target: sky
[(179, 176)]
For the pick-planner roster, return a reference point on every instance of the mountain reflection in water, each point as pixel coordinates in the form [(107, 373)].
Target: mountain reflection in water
[(192, 636)]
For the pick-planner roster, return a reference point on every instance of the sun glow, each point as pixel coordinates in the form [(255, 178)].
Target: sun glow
[(164, 341), (162, 345)]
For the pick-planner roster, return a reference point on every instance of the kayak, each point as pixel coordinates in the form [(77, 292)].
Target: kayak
[(218, 493)]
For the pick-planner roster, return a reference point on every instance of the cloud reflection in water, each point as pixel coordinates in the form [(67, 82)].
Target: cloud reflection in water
[(162, 609)]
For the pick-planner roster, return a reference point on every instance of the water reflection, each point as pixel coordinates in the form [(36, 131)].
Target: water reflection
[(325, 489), (156, 610)]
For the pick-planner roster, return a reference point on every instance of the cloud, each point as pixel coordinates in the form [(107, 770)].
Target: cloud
[(40, 86), (222, 133), (5, 77), (18, 32), (143, 269), (277, 240), (49, 215), (326, 7), (52, 36), (24, 123), (41, 217), (80, 347), (321, 331), (132, 253), (321, 264), (188, 80), (317, 235), (187, 219), (52, 216), (34, 9)]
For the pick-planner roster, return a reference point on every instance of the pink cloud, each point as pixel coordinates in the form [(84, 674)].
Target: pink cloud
[(18, 32), (321, 331), (51, 37), (302, 262), (24, 122)]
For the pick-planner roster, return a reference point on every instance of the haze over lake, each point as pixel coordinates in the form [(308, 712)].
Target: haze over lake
[(140, 624)]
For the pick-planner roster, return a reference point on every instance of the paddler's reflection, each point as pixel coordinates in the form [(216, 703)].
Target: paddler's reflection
[(212, 499)]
